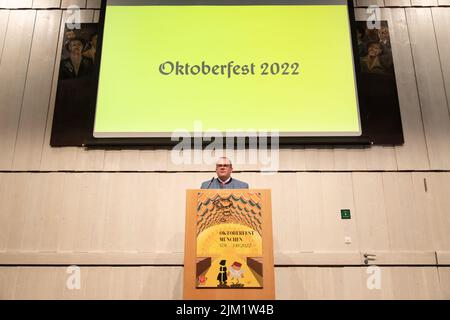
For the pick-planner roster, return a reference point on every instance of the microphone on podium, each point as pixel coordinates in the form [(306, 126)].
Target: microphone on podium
[(210, 183)]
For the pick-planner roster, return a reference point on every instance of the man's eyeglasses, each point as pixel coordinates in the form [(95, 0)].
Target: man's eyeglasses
[(223, 165)]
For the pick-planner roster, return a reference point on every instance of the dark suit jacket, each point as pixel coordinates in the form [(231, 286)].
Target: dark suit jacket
[(67, 71)]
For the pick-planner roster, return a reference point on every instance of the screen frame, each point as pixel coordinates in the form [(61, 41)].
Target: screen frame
[(361, 139)]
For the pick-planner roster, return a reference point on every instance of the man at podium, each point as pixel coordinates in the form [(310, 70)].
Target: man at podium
[(224, 168)]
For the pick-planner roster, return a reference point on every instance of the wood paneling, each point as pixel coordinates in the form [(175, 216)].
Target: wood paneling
[(17, 4), (413, 154), (444, 279), (351, 283), (96, 283), (13, 71), (127, 212), (434, 205), (93, 4), (424, 3), (441, 20), (43, 4), (165, 283), (33, 116), (4, 17), (320, 198), (409, 229), (397, 3), (78, 3), (435, 113), (371, 209), (365, 3)]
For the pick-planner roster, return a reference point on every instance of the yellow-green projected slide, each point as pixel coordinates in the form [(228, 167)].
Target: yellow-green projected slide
[(233, 68)]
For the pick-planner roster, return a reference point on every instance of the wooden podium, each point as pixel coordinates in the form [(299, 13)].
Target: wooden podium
[(228, 245)]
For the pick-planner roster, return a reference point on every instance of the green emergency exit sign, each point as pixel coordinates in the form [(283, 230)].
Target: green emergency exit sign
[(345, 214)]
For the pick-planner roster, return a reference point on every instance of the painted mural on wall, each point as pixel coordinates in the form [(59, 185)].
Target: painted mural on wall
[(77, 85), (378, 88)]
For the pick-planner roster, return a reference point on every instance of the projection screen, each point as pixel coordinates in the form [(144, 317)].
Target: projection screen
[(227, 66)]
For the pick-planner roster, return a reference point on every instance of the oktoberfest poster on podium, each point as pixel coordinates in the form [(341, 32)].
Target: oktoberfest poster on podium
[(229, 246)]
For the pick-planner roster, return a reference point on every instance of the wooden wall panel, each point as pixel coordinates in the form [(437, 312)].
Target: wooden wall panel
[(381, 158), (147, 216), (8, 279), (43, 4), (434, 205), (96, 283), (93, 4), (371, 212), (120, 160), (31, 280), (319, 158), (13, 70), (68, 3), (320, 198), (96, 16), (166, 283), (127, 283), (432, 96), (409, 229), (413, 154), (285, 218), (441, 20), (444, 279), (4, 214), (351, 283), (70, 212), (128, 212), (4, 17), (18, 4), (33, 116), (348, 158), (397, 3), (293, 159), (171, 224), (122, 206), (365, 3), (16, 198), (39, 226), (93, 212), (138, 160), (424, 3), (416, 283)]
